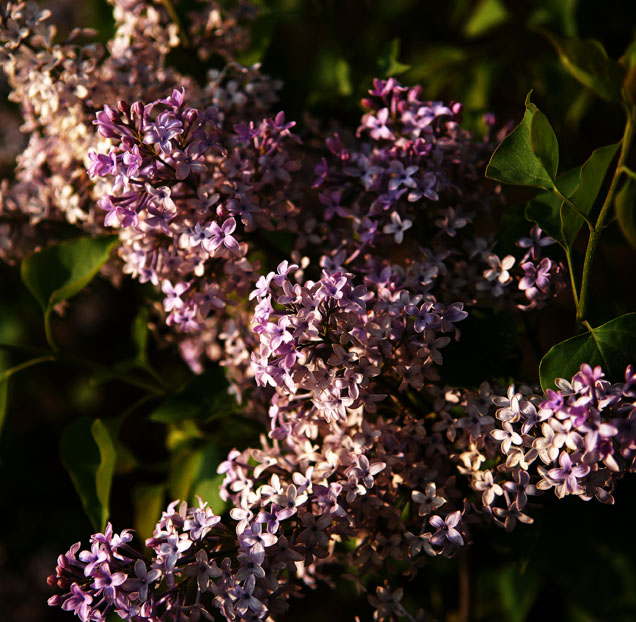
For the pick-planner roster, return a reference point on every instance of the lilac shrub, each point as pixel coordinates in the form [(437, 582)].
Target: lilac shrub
[(371, 458), (175, 174), (394, 486)]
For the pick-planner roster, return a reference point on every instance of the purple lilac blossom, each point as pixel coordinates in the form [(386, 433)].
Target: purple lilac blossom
[(311, 491)]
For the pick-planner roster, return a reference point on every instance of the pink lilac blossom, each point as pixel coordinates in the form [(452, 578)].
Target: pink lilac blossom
[(174, 175), (350, 484), (339, 349)]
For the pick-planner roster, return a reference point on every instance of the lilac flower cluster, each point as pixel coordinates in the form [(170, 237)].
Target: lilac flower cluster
[(182, 580), (180, 180), (370, 458), (410, 154), (584, 435), (185, 191), (192, 183), (542, 277), (60, 86), (336, 346), (382, 482), (415, 173)]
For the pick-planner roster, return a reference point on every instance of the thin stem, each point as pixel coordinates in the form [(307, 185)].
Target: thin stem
[(98, 367), (16, 347), (138, 404), (595, 233), (627, 171), (5, 375), (154, 373), (80, 361), (575, 293)]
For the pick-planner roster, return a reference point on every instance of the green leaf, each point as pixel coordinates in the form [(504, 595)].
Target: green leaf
[(104, 436), (560, 13), (148, 500), (612, 345), (342, 71), (587, 61), (140, 335), (182, 435), (581, 185), (628, 61), (488, 14), (517, 592), (528, 156), (625, 204), (126, 461), (629, 57), (209, 490), (388, 63), (193, 472), (208, 481), (261, 34), (591, 176), (60, 271), (545, 208), (184, 467), (197, 398), (544, 142), (88, 453)]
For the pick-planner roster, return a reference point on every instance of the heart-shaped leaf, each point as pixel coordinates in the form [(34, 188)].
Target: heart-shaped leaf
[(208, 481), (149, 502), (388, 63), (581, 185), (529, 155), (184, 467), (591, 177), (544, 142), (488, 14), (105, 438), (612, 346), (193, 472), (208, 489)]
